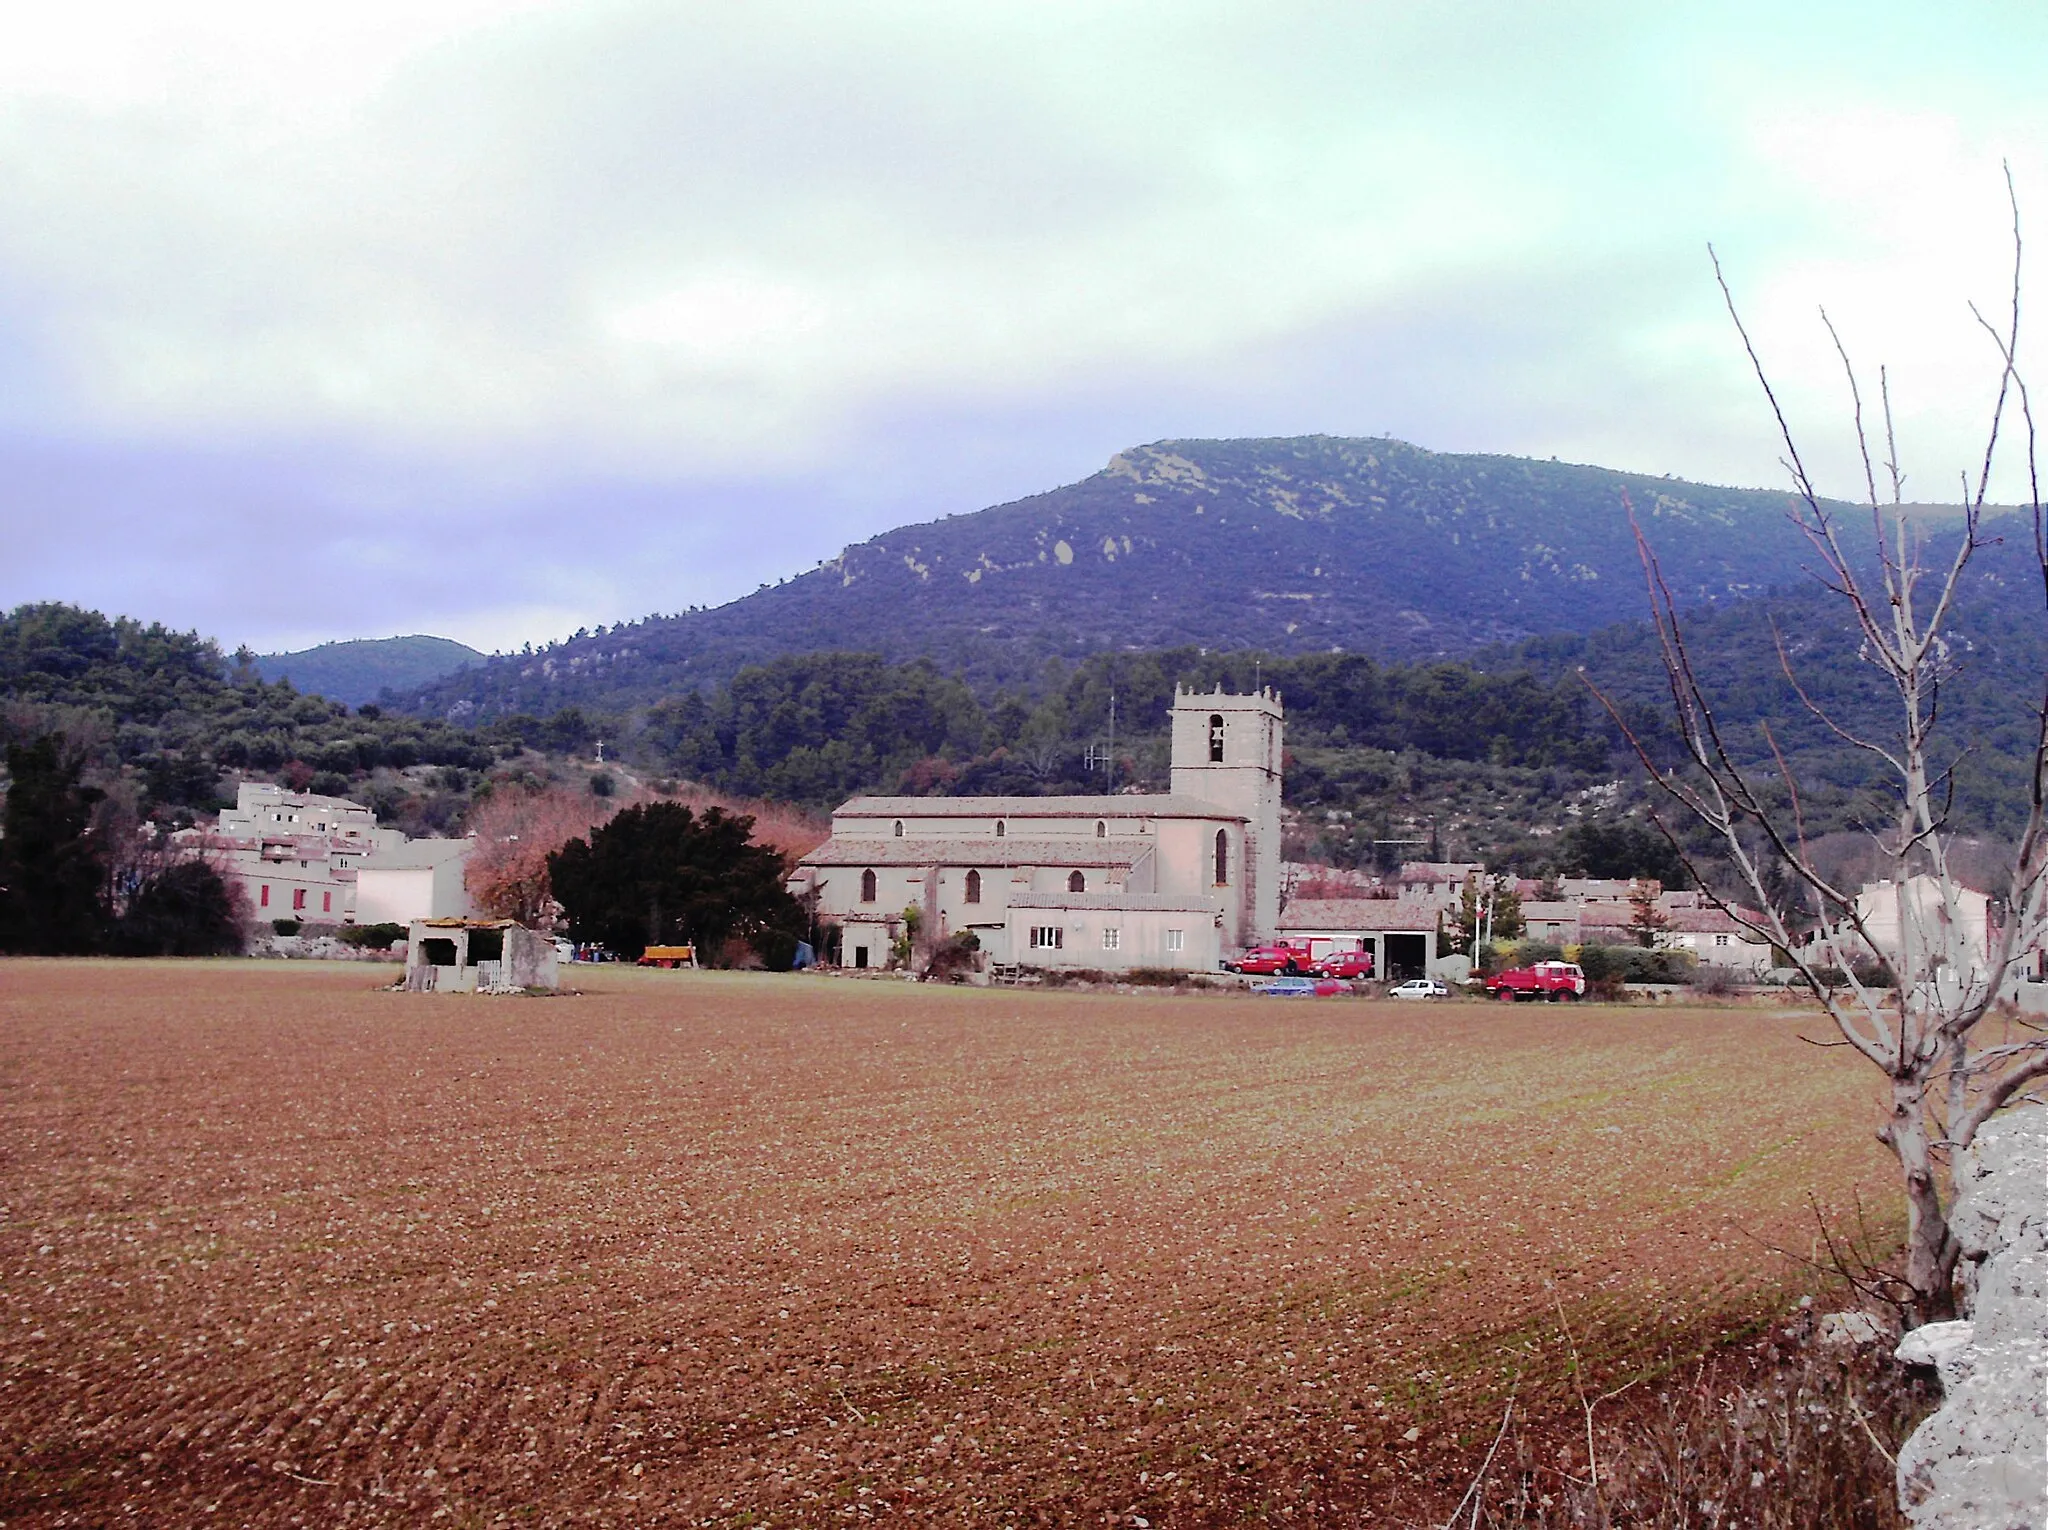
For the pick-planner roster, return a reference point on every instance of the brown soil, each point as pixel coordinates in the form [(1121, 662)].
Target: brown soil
[(277, 1248)]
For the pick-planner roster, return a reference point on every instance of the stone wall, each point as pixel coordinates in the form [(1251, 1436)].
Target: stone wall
[(1981, 1461)]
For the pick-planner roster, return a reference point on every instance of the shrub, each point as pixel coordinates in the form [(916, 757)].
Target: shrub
[(1155, 977), (372, 937), (187, 909), (285, 926), (1716, 982), (1779, 1437), (776, 948), (953, 958), (737, 953)]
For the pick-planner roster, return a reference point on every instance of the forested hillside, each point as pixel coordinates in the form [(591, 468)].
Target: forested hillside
[(172, 709), (1997, 660), (363, 669), (1494, 756), (1288, 546)]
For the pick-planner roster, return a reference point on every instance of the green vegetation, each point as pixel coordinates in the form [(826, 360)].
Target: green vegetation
[(359, 671), (50, 877), (169, 706), (661, 875), (69, 888), (1507, 755)]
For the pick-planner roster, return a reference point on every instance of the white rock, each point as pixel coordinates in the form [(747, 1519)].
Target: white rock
[(1850, 1330), (1945, 1346), (1978, 1463)]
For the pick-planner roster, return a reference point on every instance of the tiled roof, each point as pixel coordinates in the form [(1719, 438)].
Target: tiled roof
[(1708, 921), (1123, 805), (1120, 850), (1358, 914), (417, 854), (1112, 902)]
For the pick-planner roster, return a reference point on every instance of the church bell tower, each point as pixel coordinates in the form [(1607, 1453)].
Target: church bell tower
[(1226, 751)]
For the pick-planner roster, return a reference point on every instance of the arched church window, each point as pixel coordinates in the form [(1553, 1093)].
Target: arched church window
[(973, 887), (1077, 883), (1101, 829), (999, 828), (1215, 738), (867, 887), (1222, 857), (899, 828)]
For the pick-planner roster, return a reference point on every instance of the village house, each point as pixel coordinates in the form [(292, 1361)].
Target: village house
[(416, 879), (1175, 879), (1910, 927), (299, 855), (1718, 939)]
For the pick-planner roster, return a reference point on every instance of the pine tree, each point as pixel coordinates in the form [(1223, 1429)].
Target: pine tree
[(50, 868)]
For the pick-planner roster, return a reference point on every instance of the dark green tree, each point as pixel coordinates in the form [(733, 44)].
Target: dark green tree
[(662, 875), (186, 909), (50, 869), (1623, 852)]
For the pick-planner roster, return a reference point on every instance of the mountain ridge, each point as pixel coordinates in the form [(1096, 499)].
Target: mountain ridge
[(357, 670), (1286, 544)]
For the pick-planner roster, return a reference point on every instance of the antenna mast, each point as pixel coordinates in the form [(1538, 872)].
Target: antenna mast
[(1109, 760)]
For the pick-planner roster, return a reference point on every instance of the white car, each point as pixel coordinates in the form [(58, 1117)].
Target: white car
[(1419, 988)]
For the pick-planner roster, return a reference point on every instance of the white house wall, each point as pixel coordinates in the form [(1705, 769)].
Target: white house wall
[(1142, 939)]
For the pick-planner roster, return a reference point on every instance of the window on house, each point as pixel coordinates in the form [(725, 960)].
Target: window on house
[(867, 887), (1176, 939), (298, 899), (1077, 883), (327, 903), (1222, 858), (1112, 940), (1720, 940), (263, 899), (1048, 937), (899, 828), (973, 887), (999, 828), (1101, 829), (1215, 738)]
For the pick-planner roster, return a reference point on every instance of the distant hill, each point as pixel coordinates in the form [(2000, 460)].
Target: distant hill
[(363, 669), (168, 705), (1297, 545)]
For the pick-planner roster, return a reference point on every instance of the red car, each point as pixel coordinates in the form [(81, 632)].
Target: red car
[(1348, 965), (1262, 961)]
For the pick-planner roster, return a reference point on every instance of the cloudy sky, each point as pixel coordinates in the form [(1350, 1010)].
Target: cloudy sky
[(495, 319)]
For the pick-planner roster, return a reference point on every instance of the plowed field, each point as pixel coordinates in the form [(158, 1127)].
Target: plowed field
[(277, 1248)]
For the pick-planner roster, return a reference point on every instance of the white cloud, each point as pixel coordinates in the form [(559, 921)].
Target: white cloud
[(945, 254)]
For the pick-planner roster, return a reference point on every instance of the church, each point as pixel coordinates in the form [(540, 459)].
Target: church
[(1178, 879)]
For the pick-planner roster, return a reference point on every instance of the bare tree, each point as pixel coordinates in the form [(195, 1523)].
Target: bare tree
[(1952, 1056)]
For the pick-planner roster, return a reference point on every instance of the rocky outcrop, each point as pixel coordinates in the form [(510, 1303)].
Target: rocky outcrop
[(1981, 1461)]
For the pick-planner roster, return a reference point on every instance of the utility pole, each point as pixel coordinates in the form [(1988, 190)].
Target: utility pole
[(1110, 760)]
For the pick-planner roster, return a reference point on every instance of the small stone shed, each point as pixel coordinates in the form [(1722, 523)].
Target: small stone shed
[(478, 956)]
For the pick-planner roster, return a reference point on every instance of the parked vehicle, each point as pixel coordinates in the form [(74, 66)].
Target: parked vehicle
[(1262, 960), (1541, 980), (1349, 965), (1420, 988), (669, 956), (1301, 988)]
